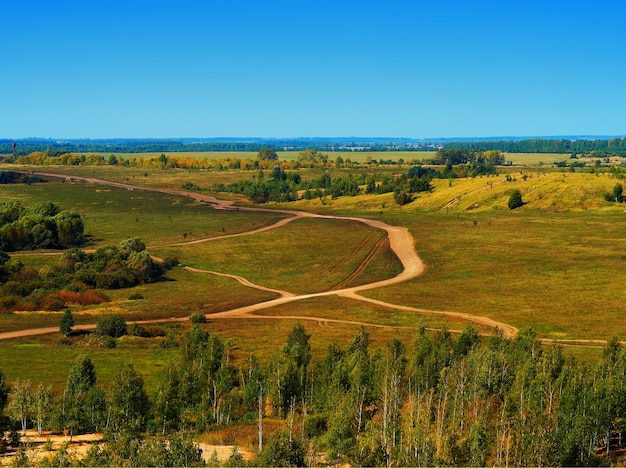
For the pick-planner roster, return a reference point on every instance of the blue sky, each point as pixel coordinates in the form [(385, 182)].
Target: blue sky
[(230, 68)]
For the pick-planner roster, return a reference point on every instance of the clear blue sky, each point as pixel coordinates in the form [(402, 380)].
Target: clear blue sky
[(230, 68)]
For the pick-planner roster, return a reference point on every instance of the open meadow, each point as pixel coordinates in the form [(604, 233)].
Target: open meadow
[(554, 265)]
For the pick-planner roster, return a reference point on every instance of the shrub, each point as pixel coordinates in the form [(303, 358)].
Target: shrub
[(52, 302), (197, 317), (113, 325), (401, 197), (135, 329), (515, 200), (135, 297)]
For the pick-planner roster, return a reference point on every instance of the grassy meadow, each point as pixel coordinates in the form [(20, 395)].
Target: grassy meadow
[(555, 264), (305, 256)]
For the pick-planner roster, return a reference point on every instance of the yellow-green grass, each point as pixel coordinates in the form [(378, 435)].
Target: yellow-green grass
[(112, 214), (561, 273), (339, 308), (305, 256), (533, 159), (45, 360), (180, 294), (551, 191), (383, 263), (185, 293)]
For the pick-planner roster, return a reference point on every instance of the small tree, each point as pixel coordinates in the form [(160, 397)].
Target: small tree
[(515, 200), (616, 195), (267, 154), (67, 322)]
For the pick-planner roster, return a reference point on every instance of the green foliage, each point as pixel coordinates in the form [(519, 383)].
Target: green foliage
[(43, 226), (197, 317), (267, 154), (128, 402), (515, 200), (282, 450), (112, 325), (136, 329), (401, 197), (76, 271), (10, 177), (617, 194), (597, 147), (83, 403), (67, 322)]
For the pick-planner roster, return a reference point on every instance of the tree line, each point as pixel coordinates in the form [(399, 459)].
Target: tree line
[(56, 148), (597, 147), (470, 401)]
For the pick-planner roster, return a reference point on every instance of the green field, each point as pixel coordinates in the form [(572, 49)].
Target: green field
[(555, 264)]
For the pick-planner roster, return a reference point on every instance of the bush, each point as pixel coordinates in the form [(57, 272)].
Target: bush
[(515, 200), (135, 329), (401, 197), (135, 297), (280, 451), (113, 325), (197, 317)]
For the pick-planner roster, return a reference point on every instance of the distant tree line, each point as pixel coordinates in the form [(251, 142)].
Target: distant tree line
[(307, 158), (77, 277), (598, 147), (465, 401), (56, 148), (285, 186)]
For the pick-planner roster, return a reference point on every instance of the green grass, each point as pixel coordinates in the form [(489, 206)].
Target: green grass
[(202, 292), (112, 215), (338, 308), (306, 255), (561, 273), (44, 359), (555, 264)]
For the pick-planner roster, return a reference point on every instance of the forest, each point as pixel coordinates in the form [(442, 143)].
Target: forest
[(440, 400)]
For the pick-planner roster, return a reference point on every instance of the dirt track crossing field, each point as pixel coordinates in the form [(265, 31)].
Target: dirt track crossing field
[(400, 240)]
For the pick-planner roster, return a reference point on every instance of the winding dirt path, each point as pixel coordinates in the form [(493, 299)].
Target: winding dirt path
[(400, 240)]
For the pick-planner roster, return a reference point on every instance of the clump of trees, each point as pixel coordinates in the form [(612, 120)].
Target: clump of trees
[(440, 400), (285, 186), (41, 226), (77, 277)]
